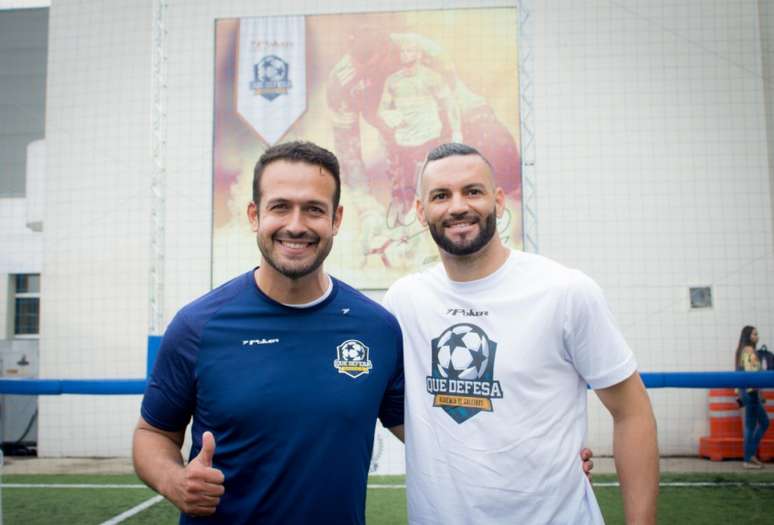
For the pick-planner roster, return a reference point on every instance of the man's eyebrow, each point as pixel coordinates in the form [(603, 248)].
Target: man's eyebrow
[(473, 185), (312, 202), (276, 200)]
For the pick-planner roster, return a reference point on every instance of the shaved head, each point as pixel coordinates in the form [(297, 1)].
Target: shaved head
[(452, 149)]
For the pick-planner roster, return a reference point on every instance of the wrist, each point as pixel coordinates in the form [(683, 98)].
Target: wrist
[(170, 479)]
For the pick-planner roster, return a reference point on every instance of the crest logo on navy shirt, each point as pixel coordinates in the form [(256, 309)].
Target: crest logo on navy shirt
[(462, 379), (352, 358)]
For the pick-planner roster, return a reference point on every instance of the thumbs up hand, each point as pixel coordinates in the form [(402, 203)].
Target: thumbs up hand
[(208, 450), (199, 487)]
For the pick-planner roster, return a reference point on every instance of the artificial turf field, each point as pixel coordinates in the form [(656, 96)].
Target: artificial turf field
[(737, 499)]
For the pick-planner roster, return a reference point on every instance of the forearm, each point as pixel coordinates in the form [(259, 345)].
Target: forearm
[(157, 459), (398, 432), (636, 460)]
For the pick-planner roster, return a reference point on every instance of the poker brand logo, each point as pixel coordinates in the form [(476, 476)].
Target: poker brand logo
[(352, 358), (270, 77), (461, 379), (466, 312)]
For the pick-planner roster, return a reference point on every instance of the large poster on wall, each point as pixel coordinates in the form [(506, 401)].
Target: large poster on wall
[(379, 90)]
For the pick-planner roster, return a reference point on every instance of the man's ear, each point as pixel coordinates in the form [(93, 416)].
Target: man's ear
[(420, 212), (337, 216), (499, 201), (252, 216)]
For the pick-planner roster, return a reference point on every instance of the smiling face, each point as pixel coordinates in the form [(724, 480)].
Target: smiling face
[(295, 220), (460, 204)]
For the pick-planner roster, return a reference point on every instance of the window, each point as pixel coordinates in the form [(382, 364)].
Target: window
[(26, 305), (701, 297)]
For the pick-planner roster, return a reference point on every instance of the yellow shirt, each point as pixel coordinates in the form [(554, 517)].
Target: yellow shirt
[(750, 363)]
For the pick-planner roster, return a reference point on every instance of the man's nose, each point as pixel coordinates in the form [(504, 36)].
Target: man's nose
[(296, 223), (458, 204)]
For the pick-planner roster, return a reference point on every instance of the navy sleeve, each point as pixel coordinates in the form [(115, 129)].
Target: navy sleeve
[(170, 395), (391, 409)]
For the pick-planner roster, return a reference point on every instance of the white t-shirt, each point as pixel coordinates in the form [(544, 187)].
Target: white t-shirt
[(496, 373)]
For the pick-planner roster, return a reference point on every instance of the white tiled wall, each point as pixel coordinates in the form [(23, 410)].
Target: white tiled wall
[(766, 10), (651, 165)]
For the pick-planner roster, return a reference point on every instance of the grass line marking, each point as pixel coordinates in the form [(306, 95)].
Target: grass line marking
[(385, 486), (71, 486), (697, 484), (662, 484), (134, 510)]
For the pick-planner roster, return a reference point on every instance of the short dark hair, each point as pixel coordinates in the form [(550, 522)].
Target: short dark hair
[(298, 151), (452, 149)]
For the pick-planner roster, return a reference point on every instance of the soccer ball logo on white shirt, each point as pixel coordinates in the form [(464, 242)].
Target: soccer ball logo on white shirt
[(463, 353), (461, 378)]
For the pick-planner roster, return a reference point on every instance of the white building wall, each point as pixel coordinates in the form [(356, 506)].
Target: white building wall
[(22, 252), (653, 177), (35, 190), (96, 224), (651, 165)]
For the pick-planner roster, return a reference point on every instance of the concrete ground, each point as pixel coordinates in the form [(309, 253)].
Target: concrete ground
[(602, 465), (32, 465)]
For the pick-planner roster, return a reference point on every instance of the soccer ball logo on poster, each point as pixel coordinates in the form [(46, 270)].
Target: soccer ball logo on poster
[(270, 77)]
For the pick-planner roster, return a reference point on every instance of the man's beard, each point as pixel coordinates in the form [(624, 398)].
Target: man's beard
[(297, 272), (487, 230)]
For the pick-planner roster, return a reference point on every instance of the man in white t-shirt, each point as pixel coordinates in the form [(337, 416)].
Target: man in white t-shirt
[(498, 349)]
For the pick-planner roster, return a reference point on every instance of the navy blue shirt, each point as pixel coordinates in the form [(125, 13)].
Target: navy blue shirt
[(290, 394)]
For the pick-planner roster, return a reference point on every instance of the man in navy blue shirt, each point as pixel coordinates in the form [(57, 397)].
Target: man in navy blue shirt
[(282, 370)]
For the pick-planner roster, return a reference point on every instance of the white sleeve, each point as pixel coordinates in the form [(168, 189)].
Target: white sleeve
[(592, 339), (388, 301)]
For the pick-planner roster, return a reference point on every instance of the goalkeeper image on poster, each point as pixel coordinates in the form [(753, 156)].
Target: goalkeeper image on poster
[(416, 105)]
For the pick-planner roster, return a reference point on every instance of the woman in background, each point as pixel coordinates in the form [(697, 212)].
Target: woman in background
[(756, 420)]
